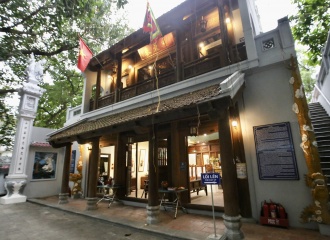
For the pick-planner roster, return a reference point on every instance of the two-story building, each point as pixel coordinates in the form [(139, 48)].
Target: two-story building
[(213, 92)]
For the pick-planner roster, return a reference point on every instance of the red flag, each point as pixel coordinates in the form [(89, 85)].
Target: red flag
[(85, 55), (150, 25)]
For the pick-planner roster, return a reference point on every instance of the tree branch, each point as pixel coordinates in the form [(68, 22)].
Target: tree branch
[(5, 91), (4, 1), (30, 16), (42, 53), (11, 30)]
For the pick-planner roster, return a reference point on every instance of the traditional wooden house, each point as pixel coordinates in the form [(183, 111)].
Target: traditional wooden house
[(213, 92)]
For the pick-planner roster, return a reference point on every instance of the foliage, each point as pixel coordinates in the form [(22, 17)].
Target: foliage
[(49, 29), (307, 73), (311, 26), (7, 125)]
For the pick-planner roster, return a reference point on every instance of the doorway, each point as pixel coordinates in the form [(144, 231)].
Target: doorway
[(139, 170), (203, 153)]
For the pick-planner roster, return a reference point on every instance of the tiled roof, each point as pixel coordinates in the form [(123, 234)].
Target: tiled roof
[(139, 113), (40, 144)]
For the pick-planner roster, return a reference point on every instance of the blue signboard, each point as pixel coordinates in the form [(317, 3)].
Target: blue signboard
[(210, 178)]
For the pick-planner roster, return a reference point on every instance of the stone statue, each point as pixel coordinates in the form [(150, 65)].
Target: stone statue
[(35, 69)]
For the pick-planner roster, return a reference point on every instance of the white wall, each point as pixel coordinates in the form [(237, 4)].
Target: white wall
[(43, 187), (268, 98)]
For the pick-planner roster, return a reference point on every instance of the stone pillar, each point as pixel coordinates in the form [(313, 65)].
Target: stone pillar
[(232, 218), (63, 196), (30, 94), (153, 202), (92, 175)]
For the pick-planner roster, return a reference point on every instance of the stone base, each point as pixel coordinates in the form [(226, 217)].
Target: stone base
[(153, 214), (63, 198), (76, 196), (233, 225), (91, 203), (14, 187), (15, 198), (214, 237), (324, 229)]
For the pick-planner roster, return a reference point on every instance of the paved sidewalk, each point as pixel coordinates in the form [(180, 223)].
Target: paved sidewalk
[(185, 226)]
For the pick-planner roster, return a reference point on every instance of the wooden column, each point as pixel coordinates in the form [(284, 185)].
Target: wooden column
[(174, 178), (232, 218), (224, 55), (120, 164), (98, 89), (153, 168), (63, 197), (118, 79), (242, 183), (179, 161), (229, 176), (129, 169), (178, 56), (153, 202), (93, 174)]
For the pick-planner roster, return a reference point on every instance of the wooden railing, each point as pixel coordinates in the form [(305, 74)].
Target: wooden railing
[(191, 69), (201, 65), (148, 85)]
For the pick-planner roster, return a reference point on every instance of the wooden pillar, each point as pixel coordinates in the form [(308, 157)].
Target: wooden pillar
[(175, 155), (178, 56), (225, 53), (98, 89), (153, 168), (118, 79), (120, 164), (179, 161), (63, 197), (129, 169), (232, 218), (242, 182), (93, 174), (153, 202)]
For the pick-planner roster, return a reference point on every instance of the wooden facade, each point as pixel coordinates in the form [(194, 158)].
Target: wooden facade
[(185, 51), (123, 72)]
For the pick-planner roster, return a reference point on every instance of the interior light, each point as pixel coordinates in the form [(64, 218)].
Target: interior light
[(203, 23), (125, 50), (130, 66), (234, 123), (193, 131), (227, 20), (201, 45), (205, 134)]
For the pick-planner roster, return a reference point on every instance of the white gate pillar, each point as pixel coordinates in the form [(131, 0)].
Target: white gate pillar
[(30, 94)]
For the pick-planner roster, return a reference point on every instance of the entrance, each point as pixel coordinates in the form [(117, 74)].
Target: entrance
[(106, 165), (204, 156), (139, 170)]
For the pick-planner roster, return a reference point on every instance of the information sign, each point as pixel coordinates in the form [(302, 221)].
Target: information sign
[(210, 178), (275, 152)]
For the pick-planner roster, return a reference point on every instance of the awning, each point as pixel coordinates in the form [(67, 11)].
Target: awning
[(227, 88)]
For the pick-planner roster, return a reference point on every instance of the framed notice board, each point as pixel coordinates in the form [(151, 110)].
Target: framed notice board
[(275, 152)]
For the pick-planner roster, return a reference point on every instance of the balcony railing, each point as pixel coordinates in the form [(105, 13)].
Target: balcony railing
[(201, 65), (148, 85), (197, 67)]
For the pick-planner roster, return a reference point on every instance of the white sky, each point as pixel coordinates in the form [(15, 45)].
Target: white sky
[(269, 10)]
